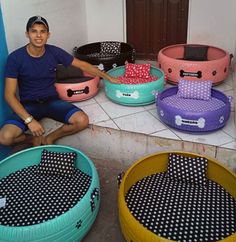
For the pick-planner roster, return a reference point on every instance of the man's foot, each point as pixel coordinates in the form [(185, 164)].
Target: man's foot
[(46, 141), (28, 142), (20, 146), (37, 141)]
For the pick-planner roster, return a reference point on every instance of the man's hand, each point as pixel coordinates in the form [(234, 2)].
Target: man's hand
[(94, 71), (114, 80), (36, 128)]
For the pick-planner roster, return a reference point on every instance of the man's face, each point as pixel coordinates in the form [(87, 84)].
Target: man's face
[(38, 35)]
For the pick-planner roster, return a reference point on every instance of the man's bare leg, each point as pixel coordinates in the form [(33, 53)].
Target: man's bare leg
[(11, 134), (77, 122)]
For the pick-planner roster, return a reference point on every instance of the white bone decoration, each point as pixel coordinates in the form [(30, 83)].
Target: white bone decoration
[(200, 123), (134, 95)]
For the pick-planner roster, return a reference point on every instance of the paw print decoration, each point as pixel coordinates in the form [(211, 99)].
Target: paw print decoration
[(114, 65), (78, 224), (101, 67)]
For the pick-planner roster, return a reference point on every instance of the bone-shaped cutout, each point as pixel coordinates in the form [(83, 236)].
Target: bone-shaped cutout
[(71, 92), (200, 123), (192, 74), (134, 95)]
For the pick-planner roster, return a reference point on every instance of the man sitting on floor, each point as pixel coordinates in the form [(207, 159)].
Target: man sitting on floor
[(31, 69)]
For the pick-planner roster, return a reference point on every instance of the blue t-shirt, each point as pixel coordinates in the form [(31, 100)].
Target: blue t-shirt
[(36, 75)]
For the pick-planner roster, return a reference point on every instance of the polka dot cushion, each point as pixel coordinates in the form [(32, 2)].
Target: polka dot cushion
[(110, 48), (182, 212), (137, 70), (194, 105), (135, 80), (32, 198), (194, 89), (187, 169), (57, 163)]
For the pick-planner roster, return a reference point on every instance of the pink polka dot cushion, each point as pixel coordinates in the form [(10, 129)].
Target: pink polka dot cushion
[(137, 70), (194, 89), (135, 80)]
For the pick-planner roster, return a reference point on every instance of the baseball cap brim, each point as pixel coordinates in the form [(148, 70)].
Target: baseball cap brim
[(36, 19)]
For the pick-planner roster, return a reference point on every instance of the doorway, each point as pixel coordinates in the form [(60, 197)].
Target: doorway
[(154, 24)]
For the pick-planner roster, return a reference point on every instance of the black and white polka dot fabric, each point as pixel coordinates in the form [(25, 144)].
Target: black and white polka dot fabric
[(187, 169), (32, 198), (109, 48), (57, 163), (182, 211)]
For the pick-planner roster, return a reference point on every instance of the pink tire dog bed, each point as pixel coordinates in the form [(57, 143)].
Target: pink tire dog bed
[(73, 85), (194, 62)]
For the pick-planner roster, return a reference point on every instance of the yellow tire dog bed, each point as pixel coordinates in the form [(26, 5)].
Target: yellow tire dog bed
[(178, 196)]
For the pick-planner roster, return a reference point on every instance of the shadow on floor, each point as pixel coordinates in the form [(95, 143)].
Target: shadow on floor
[(106, 228)]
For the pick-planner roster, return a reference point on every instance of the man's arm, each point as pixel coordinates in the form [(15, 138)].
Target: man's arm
[(10, 96), (86, 67)]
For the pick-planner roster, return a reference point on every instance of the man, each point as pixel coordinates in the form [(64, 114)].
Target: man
[(31, 71)]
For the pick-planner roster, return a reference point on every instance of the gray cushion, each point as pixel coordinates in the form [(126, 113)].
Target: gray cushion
[(195, 53), (69, 72)]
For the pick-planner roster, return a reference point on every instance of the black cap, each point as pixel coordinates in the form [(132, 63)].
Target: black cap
[(36, 19)]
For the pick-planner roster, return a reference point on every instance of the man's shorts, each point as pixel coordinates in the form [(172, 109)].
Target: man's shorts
[(52, 107)]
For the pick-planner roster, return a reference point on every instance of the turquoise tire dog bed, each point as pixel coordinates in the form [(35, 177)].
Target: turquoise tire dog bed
[(134, 94), (71, 225)]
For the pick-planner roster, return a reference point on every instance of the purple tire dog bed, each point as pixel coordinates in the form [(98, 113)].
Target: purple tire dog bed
[(193, 115)]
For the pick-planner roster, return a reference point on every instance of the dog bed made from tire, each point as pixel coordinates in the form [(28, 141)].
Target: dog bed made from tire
[(134, 94), (74, 85), (155, 208), (44, 207), (106, 54), (193, 115), (194, 62)]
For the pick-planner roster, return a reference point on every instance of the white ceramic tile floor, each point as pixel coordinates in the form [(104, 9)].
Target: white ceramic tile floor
[(144, 119)]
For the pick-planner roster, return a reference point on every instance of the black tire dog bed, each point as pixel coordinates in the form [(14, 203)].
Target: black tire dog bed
[(107, 54)]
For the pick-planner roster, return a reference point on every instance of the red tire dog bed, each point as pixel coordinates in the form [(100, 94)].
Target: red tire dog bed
[(73, 85), (194, 62)]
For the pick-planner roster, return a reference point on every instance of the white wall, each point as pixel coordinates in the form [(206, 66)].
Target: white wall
[(105, 20), (77, 22), (213, 22), (67, 21)]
